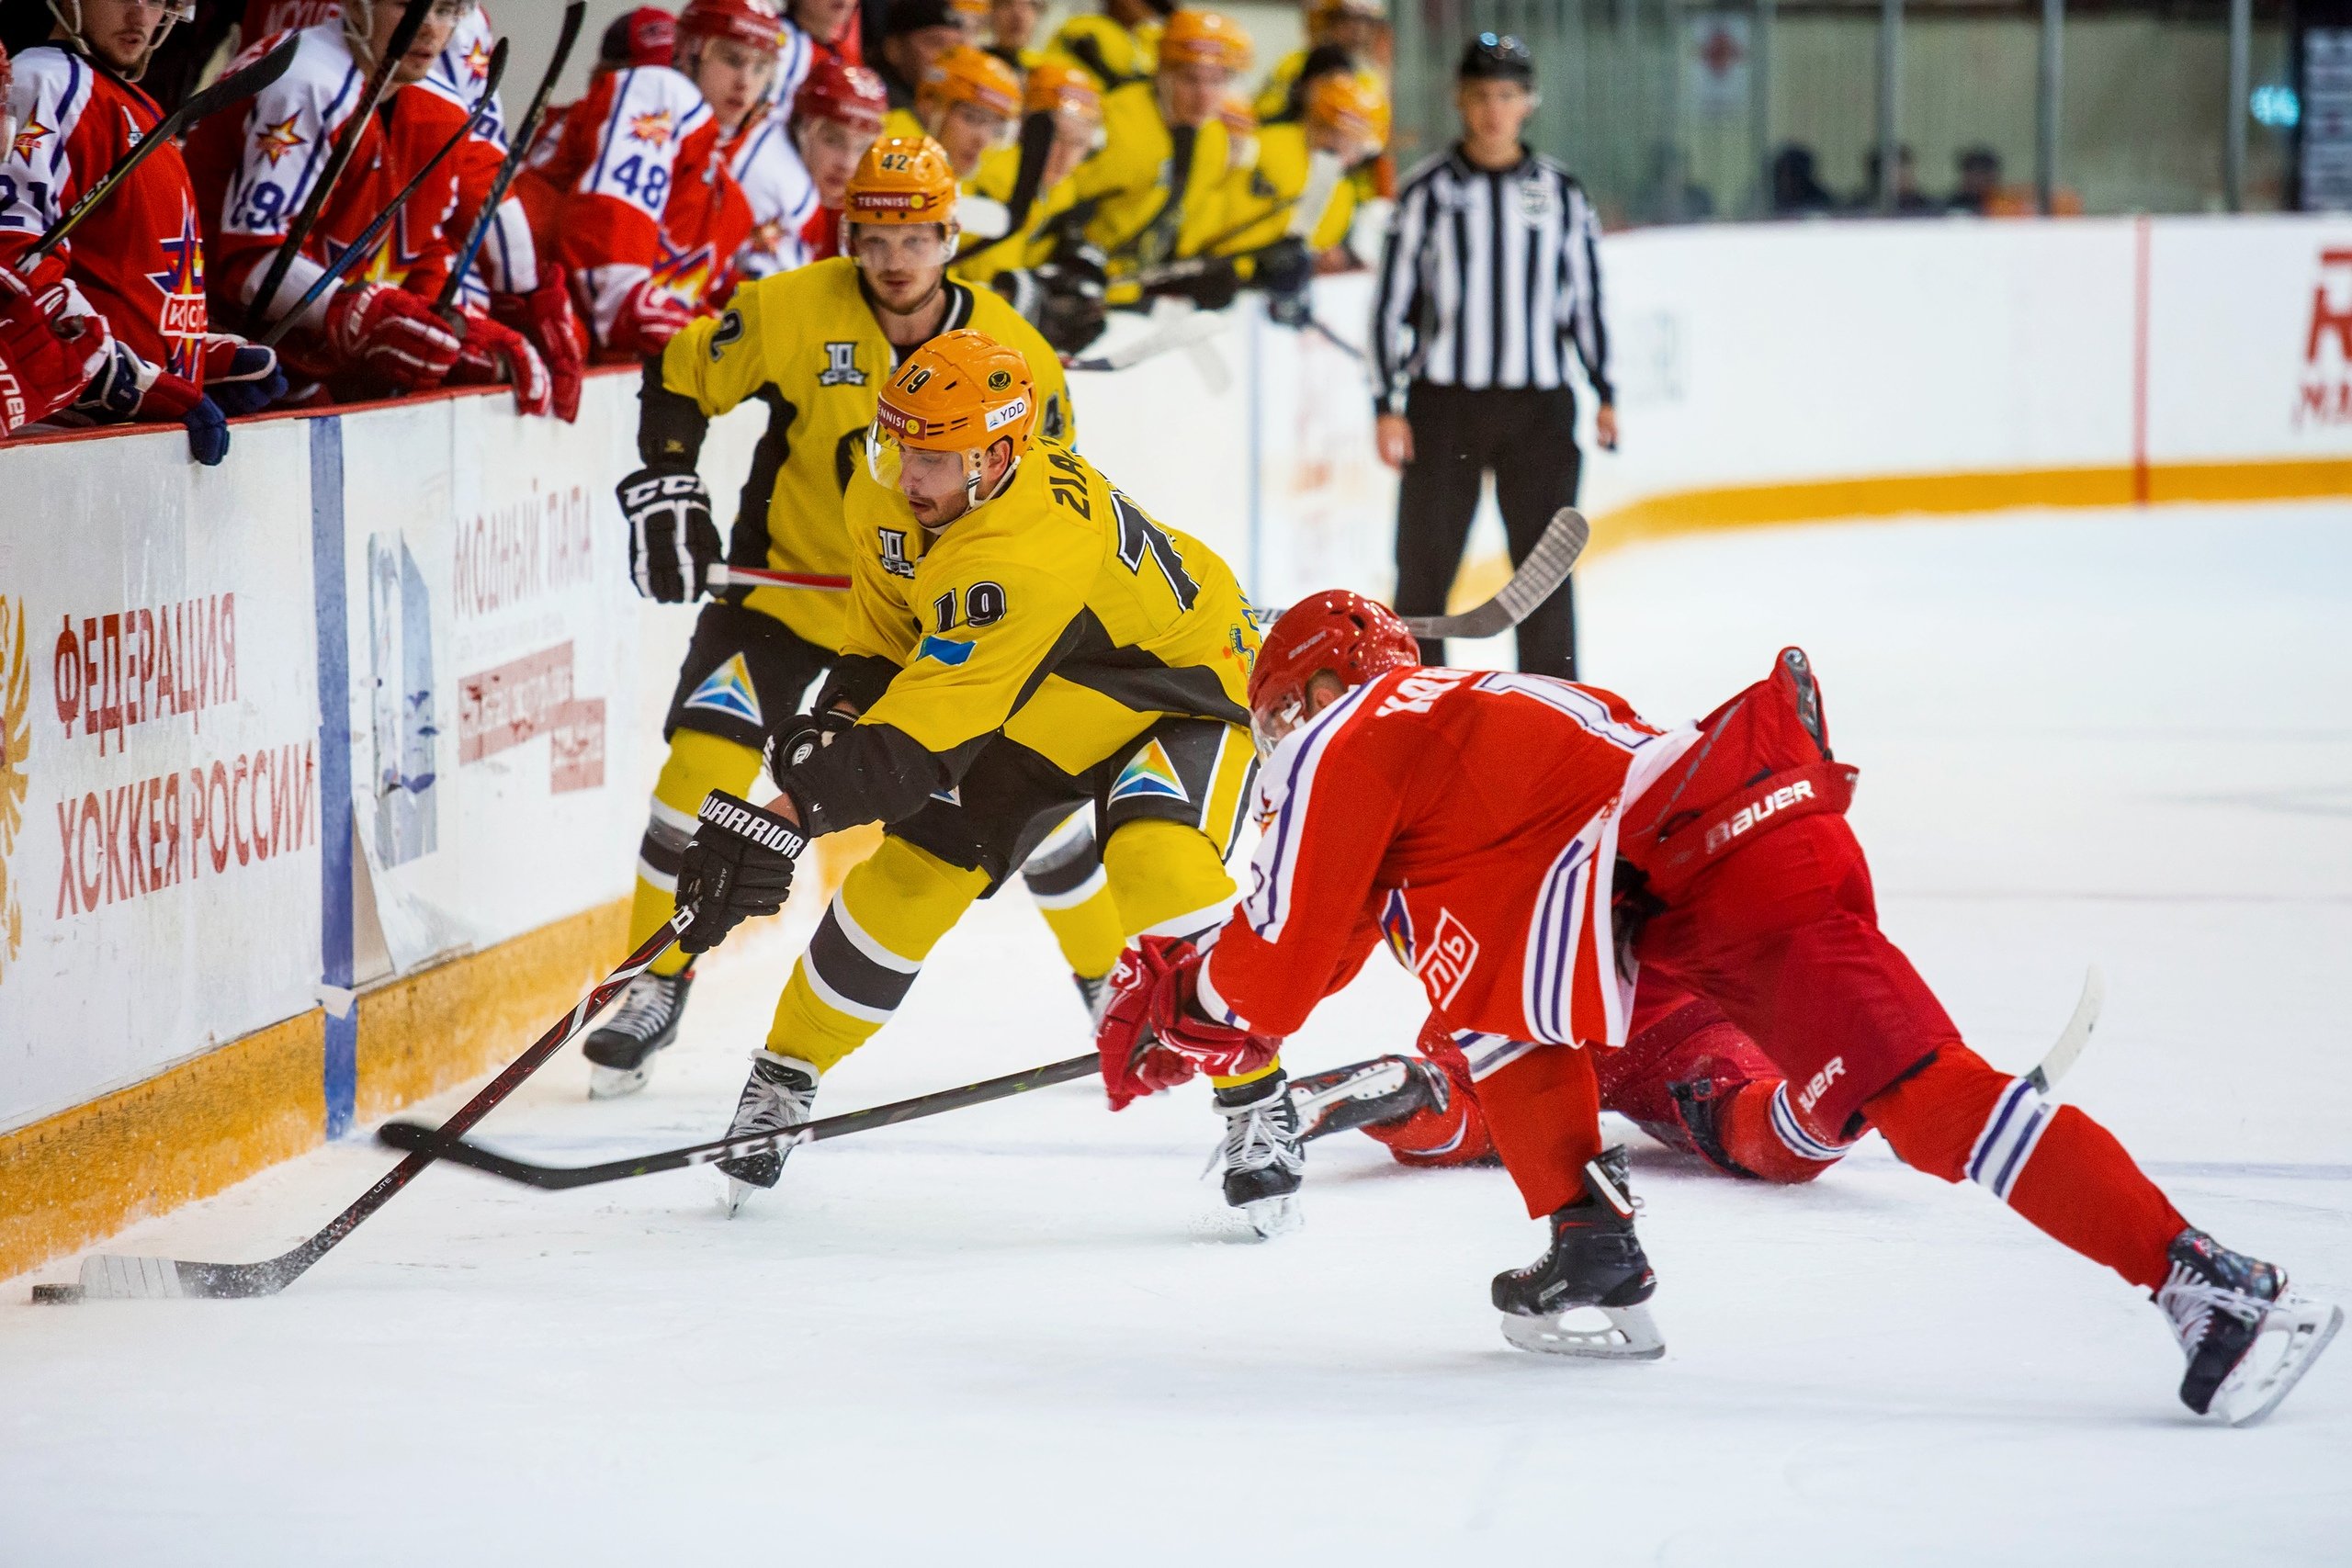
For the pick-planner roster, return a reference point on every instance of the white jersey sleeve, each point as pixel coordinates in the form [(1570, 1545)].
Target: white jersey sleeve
[(776, 184), (50, 90), (654, 110)]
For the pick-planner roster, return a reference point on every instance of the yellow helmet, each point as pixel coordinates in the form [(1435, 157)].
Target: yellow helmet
[(1203, 38), (1058, 87), (967, 76), (1352, 103), (960, 392), (901, 179)]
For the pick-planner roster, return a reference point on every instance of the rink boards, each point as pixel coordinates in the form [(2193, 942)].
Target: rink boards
[(234, 920)]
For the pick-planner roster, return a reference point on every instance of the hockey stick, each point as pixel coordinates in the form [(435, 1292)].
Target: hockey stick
[(360, 248), (237, 85), (108, 1276), (2076, 1034), (435, 1143), (524, 134), (1192, 327), (1538, 577), (370, 97), (722, 576)]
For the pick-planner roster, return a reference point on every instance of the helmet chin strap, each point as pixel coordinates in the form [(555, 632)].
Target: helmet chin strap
[(975, 462)]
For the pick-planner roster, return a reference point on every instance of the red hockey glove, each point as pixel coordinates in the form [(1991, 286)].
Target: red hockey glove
[(46, 357), (242, 378), (545, 316), (492, 356), (649, 317), (393, 333), (1151, 1036)]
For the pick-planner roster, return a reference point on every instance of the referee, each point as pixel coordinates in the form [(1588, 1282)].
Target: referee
[(1489, 277)]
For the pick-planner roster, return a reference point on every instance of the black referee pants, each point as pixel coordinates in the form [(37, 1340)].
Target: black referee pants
[(1527, 439)]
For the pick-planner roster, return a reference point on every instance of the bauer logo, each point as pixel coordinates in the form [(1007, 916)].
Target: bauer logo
[(841, 367), (1757, 811), (1818, 1085)]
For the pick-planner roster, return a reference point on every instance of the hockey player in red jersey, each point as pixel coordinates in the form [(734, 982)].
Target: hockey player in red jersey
[(139, 258), (835, 118), (1687, 1075), (254, 172), (1531, 844), (637, 204)]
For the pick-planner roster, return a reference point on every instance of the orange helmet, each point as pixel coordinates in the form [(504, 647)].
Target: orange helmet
[(967, 76), (960, 392), (1058, 87), (1352, 103), (1240, 120), (901, 179), (1203, 38)]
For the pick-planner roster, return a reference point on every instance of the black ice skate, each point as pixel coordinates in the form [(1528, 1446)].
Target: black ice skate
[(2247, 1336), (1369, 1094), (1262, 1158), (620, 1054), (776, 1095), (1595, 1262)]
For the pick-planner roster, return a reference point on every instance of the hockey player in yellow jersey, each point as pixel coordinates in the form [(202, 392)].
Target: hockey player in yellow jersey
[(1116, 45), (814, 346), (1157, 184), (1357, 28), (1042, 262), (1022, 638), (1298, 201)]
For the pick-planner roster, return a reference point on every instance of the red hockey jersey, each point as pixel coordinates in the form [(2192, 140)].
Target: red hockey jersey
[(1468, 819), (139, 257)]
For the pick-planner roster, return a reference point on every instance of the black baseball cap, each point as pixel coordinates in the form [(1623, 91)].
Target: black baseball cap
[(914, 16), (1495, 57)]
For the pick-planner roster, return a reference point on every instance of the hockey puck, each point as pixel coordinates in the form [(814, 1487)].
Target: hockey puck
[(59, 1294)]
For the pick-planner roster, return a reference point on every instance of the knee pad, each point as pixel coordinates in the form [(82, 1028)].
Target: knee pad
[(1167, 877)]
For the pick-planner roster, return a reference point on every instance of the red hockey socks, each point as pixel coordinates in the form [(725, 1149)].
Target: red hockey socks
[(1761, 1138), (1958, 1117), (1543, 1113)]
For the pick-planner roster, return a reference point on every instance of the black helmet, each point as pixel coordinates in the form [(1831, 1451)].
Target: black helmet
[(1492, 57)]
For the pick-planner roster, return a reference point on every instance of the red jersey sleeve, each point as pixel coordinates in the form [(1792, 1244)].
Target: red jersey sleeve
[(625, 140)]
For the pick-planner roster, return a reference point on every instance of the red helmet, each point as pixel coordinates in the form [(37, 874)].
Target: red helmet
[(757, 23), (1352, 637), (647, 36), (847, 94)]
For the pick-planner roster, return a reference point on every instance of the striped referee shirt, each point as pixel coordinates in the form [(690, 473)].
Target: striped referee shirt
[(1486, 280)]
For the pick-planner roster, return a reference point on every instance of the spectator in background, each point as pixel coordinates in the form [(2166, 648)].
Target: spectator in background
[(1910, 201), (1797, 190), (1012, 25), (917, 33), (1490, 286), (1671, 195), (1980, 181)]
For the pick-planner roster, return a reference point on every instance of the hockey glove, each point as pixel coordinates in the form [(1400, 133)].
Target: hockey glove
[(1152, 1036), (46, 354), (393, 335), (1212, 290), (648, 318), (493, 356), (127, 388), (545, 316), (242, 378), (1285, 266), (738, 864), (673, 538)]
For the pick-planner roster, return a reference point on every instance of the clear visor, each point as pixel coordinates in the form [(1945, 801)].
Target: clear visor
[(1271, 725), (899, 247)]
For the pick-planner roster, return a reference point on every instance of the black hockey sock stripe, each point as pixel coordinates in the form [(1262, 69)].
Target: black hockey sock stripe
[(1064, 874), (843, 969)]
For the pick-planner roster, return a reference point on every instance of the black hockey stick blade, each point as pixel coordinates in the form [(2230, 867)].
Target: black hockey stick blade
[(2076, 1034), (527, 131), (1538, 577), (371, 97), (359, 248), (230, 89), (105, 1276), (438, 1144)]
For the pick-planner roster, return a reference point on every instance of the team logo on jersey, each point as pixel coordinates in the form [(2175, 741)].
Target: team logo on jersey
[(1452, 953), (29, 137), (841, 367), (275, 141), (894, 553), (729, 690), (1149, 774), (655, 130), (478, 60), (947, 650), (1397, 925), (1536, 203), (182, 319)]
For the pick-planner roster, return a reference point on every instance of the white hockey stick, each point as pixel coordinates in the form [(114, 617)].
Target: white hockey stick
[(721, 575), (1192, 327), (1538, 577), (2076, 1035)]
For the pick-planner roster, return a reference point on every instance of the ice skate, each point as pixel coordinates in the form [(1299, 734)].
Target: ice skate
[(620, 1054), (1385, 1089), (776, 1095), (1262, 1161), (1090, 991), (2247, 1336), (1595, 1265)]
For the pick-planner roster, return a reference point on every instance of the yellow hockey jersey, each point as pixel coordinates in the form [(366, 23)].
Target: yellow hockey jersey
[(1133, 179), (980, 258), (807, 343), (1261, 203), (1113, 55)]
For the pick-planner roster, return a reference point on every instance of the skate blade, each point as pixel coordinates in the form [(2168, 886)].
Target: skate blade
[(2293, 1332), (1315, 1107), (615, 1083), (1271, 1217), (1630, 1335)]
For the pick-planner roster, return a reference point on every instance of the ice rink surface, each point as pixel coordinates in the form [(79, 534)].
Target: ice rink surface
[(1027, 1332)]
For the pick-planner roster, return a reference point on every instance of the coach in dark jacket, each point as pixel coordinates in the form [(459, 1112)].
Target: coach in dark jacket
[(1489, 284)]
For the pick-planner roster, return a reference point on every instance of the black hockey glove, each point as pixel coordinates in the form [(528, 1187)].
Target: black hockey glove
[(738, 864), (1212, 289), (673, 538), (1285, 266)]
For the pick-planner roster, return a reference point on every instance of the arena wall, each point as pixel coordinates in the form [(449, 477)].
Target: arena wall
[(236, 921)]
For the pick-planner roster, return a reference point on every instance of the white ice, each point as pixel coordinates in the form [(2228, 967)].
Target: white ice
[(1026, 1333)]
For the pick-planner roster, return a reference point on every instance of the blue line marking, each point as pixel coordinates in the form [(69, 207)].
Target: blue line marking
[(340, 1071)]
